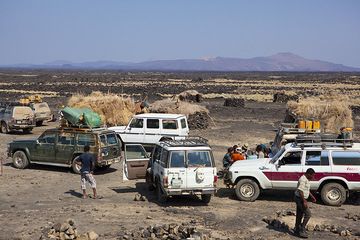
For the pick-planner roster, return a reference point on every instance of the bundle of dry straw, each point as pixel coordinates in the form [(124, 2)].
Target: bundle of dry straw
[(113, 109), (333, 111), (175, 106)]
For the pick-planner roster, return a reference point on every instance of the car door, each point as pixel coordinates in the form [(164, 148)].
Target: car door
[(152, 130), (319, 161), (287, 170), (135, 162), (65, 147), (200, 169), (44, 150), (135, 131), (177, 169)]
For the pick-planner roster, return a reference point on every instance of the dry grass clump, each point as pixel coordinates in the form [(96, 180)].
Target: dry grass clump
[(189, 96), (175, 106), (113, 109), (333, 111)]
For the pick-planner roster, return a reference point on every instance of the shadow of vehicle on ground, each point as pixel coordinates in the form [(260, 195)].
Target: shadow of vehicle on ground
[(142, 188)]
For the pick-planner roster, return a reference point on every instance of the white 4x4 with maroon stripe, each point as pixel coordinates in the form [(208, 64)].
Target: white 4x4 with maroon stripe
[(336, 164)]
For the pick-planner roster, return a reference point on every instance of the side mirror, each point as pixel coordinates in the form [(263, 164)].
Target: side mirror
[(37, 142)]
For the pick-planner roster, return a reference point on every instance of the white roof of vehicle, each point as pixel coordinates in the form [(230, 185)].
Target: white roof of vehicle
[(188, 148), (159, 115), (355, 146)]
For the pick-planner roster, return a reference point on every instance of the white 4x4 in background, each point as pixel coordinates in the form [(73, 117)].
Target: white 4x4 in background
[(337, 171), (150, 128)]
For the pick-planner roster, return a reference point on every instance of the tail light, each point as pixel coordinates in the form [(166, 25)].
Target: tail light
[(166, 181), (215, 179)]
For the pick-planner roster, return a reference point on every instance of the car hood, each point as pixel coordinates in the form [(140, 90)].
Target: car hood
[(250, 163), (118, 129)]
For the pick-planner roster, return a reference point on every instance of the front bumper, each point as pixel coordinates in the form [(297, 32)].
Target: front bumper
[(200, 191), (20, 126)]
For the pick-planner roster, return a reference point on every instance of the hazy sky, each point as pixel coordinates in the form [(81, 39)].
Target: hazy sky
[(130, 30)]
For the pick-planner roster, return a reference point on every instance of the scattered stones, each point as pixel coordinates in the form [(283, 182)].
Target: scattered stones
[(167, 231), (354, 217), (234, 102), (284, 213), (139, 197), (67, 231)]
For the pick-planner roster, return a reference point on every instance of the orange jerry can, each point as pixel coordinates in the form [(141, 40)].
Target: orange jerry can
[(301, 124), (309, 125), (316, 125)]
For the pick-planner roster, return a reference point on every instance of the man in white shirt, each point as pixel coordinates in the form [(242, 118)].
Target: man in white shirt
[(302, 193)]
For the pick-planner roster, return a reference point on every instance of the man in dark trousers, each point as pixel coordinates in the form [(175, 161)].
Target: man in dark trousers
[(303, 212), (87, 167)]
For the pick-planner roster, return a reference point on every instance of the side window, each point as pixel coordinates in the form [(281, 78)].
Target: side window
[(111, 139), (47, 138), (164, 158), (103, 140), (156, 153), (66, 139), (152, 123), (8, 110), (346, 158), (317, 158), (292, 158), (85, 139), (137, 123), (177, 159), (183, 123), (169, 124), (135, 152)]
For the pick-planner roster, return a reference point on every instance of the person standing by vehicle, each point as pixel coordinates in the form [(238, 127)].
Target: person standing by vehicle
[(236, 156), (259, 151), (87, 161), (227, 158), (302, 193)]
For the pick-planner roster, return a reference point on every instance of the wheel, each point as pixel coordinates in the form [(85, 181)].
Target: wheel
[(4, 127), (160, 196), (333, 194), (247, 190), (20, 160), (39, 123), (205, 198), (27, 130), (75, 166)]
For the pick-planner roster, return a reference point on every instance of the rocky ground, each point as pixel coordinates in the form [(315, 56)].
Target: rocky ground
[(36, 202)]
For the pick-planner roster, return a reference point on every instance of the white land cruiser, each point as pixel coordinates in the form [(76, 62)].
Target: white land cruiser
[(176, 167), (336, 163), (150, 128)]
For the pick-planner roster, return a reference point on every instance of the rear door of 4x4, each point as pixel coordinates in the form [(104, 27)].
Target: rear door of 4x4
[(65, 147), (200, 170), (109, 146), (176, 169), (135, 162), (319, 161)]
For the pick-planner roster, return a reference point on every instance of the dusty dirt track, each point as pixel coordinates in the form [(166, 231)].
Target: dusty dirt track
[(37, 197)]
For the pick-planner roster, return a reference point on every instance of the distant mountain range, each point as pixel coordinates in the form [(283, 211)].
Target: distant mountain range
[(278, 62)]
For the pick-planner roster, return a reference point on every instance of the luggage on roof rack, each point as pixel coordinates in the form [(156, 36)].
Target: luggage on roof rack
[(81, 117), (185, 141)]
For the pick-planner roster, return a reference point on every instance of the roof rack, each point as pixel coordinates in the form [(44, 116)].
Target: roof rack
[(185, 142), (345, 143), (82, 129)]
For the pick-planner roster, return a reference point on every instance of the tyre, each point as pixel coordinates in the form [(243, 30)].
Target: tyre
[(333, 194), (247, 190), (75, 166), (26, 130), (39, 123), (4, 127), (160, 196), (20, 160), (205, 198)]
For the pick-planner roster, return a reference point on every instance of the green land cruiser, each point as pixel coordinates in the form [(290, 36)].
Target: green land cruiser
[(62, 146)]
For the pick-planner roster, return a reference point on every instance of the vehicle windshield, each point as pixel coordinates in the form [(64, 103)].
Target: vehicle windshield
[(277, 155), (41, 107)]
